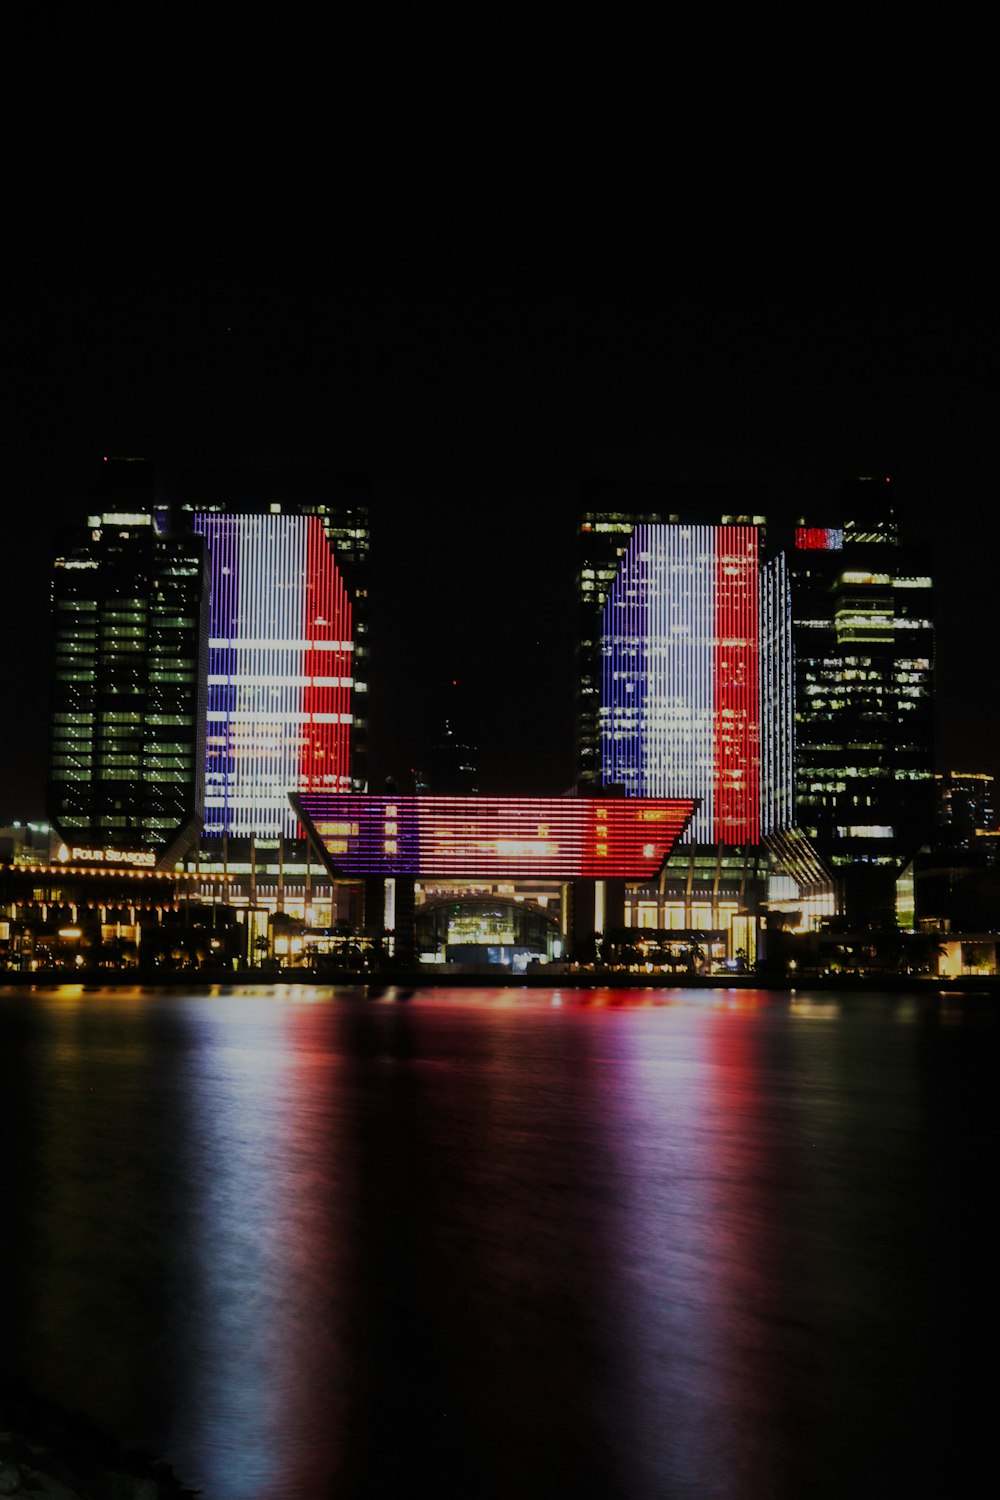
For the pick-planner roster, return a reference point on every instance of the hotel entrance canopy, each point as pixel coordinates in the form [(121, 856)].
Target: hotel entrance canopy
[(560, 838)]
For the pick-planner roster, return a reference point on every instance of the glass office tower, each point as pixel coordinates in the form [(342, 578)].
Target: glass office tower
[(130, 642), (864, 668)]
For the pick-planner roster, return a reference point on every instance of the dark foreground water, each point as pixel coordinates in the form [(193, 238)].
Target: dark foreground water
[(488, 1244)]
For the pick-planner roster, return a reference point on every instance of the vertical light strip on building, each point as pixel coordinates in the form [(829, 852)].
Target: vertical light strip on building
[(221, 534), (679, 748), (737, 688), (624, 680), (777, 747), (327, 706), (279, 691)]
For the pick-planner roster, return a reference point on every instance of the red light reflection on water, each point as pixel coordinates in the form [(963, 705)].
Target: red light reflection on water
[(694, 1155)]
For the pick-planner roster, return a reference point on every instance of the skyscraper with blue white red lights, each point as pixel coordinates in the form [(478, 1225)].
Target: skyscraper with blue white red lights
[(694, 631), (281, 678)]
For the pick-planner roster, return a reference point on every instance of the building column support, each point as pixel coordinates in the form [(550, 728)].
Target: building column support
[(581, 920)]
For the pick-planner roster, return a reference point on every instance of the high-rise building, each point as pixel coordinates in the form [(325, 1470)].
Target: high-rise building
[(211, 639), (684, 682), (451, 758), (287, 672), (130, 641), (684, 700), (611, 515), (792, 696), (864, 730), (281, 686)]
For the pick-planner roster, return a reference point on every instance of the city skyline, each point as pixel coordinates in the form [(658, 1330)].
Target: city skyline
[(479, 421)]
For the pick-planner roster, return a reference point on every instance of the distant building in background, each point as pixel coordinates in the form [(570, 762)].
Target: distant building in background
[(957, 876), (452, 756), (130, 643), (965, 808), (26, 843)]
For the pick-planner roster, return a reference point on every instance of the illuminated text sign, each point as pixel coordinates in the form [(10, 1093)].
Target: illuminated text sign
[(136, 858)]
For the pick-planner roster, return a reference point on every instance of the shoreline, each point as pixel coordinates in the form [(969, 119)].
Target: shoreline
[(46, 1449), (413, 979)]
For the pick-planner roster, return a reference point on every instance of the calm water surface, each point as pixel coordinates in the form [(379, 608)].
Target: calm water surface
[(650, 1244)]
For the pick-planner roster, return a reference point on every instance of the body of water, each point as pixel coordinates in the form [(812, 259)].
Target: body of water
[(305, 1243)]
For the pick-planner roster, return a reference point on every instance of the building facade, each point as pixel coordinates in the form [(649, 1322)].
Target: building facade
[(280, 680), (130, 643), (287, 678), (685, 683), (792, 695), (602, 541), (692, 692), (966, 817), (610, 514), (210, 638), (864, 709)]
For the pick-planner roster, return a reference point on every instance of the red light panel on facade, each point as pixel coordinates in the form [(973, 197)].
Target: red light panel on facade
[(818, 539), (737, 691)]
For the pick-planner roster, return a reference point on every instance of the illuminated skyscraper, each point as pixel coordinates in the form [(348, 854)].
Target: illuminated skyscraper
[(864, 669), (684, 681), (694, 691), (210, 660), (281, 682), (287, 679), (287, 670), (130, 640), (793, 697), (610, 518)]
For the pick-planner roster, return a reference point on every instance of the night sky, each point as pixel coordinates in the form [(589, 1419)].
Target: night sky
[(477, 409)]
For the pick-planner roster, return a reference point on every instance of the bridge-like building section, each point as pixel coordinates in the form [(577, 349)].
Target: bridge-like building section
[(593, 844)]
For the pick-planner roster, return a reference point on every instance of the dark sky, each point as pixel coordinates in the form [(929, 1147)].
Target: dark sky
[(477, 409)]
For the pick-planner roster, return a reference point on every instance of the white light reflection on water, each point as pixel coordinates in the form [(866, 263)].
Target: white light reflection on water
[(263, 1095), (238, 1097)]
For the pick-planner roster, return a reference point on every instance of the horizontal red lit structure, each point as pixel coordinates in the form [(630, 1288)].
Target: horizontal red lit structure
[(495, 837)]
